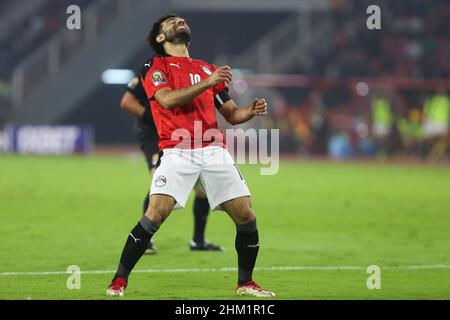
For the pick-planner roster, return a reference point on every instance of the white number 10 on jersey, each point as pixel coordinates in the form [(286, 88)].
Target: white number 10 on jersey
[(195, 78)]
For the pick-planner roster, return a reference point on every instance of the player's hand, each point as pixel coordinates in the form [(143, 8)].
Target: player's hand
[(220, 75), (259, 107)]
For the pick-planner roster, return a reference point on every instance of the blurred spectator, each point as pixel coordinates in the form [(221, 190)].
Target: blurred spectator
[(382, 120), (411, 132), (414, 41), (318, 124), (435, 125)]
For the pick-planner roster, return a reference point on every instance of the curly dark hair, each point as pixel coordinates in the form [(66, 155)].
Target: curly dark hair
[(156, 30)]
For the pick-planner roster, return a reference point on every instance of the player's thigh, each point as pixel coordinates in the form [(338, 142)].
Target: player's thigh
[(160, 207), (239, 209), (175, 176), (221, 179)]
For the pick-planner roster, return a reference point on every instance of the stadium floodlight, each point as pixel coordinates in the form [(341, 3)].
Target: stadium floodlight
[(117, 76)]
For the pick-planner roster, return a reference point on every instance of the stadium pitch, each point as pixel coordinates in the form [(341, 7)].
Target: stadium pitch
[(321, 225)]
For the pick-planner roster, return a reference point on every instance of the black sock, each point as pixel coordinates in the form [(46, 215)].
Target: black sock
[(137, 242), (201, 210), (247, 247), (146, 202)]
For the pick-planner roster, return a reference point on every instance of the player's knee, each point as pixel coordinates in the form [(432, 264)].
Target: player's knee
[(157, 217), (157, 214), (158, 211), (247, 215)]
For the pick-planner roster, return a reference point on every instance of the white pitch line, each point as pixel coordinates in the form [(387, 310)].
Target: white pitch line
[(279, 268)]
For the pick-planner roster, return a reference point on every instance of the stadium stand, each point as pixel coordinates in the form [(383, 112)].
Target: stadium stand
[(338, 56)]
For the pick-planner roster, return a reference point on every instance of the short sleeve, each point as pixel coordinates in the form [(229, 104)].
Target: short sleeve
[(154, 77)]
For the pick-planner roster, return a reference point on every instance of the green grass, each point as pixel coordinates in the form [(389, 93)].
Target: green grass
[(57, 212)]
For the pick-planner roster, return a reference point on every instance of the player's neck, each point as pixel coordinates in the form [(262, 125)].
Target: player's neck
[(177, 50)]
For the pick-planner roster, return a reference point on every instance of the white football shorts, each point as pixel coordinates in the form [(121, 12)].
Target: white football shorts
[(178, 170)]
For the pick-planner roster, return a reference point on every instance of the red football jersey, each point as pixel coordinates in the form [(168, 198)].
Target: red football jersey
[(185, 123)]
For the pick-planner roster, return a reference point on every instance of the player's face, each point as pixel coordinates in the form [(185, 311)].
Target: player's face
[(176, 30)]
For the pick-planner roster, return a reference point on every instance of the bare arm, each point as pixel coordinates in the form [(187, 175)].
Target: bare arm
[(169, 98), (130, 104), (236, 115)]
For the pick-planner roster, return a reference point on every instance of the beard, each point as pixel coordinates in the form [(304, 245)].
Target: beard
[(179, 36)]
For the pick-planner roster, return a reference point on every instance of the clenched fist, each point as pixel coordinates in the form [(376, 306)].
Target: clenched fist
[(259, 107), (220, 75)]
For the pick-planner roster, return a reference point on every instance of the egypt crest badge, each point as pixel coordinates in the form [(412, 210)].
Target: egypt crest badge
[(207, 70)]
